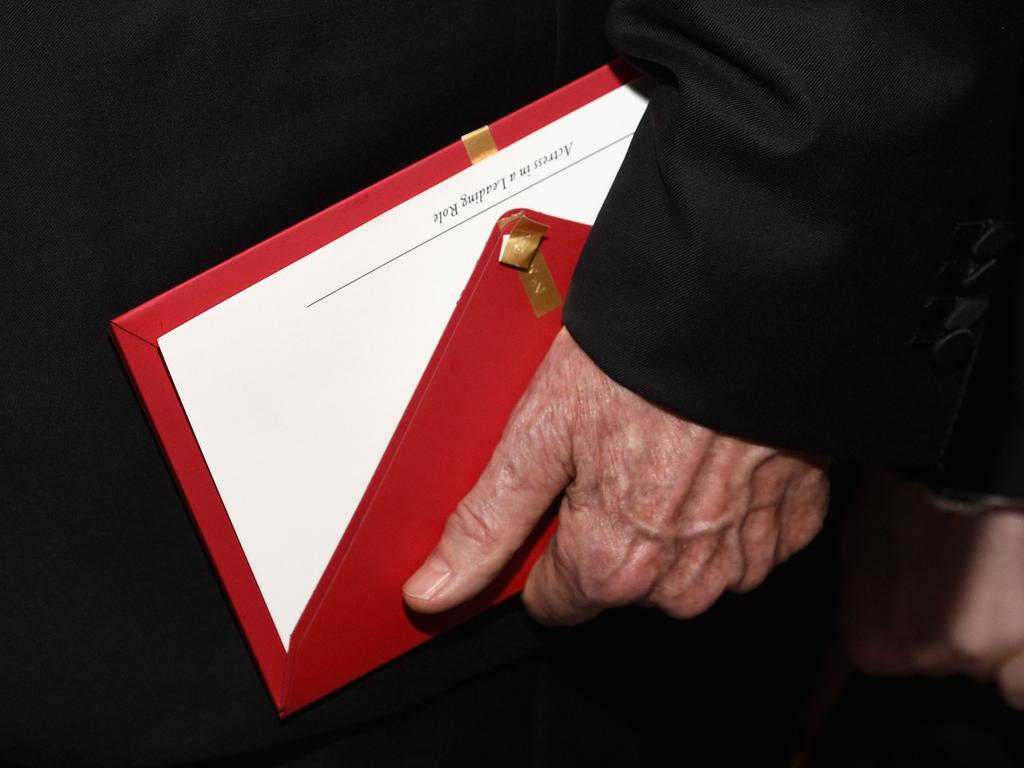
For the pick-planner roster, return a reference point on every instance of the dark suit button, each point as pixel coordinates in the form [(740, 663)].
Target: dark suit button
[(996, 236), (953, 351), (980, 279), (966, 311)]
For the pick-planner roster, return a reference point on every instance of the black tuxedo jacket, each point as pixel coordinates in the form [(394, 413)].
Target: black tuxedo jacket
[(798, 249), (778, 259)]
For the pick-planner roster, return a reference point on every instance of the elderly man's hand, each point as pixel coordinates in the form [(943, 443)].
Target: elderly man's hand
[(657, 510), (933, 593)]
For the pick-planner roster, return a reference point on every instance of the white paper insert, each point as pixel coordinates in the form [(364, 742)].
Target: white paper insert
[(294, 386)]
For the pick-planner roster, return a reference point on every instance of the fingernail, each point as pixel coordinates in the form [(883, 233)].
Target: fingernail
[(428, 579)]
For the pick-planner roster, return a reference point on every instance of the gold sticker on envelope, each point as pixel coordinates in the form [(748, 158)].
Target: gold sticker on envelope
[(540, 286), (523, 242), (479, 144), (521, 251)]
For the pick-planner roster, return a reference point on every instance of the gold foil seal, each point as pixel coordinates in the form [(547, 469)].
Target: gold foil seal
[(540, 286), (506, 220), (521, 251), (479, 144), (523, 241)]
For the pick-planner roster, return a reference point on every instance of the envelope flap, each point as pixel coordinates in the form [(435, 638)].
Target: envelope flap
[(489, 351)]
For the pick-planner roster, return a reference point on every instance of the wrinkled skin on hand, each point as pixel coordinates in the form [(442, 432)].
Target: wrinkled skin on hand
[(930, 592), (657, 510)]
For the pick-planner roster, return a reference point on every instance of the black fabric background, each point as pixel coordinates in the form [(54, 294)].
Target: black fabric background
[(144, 142)]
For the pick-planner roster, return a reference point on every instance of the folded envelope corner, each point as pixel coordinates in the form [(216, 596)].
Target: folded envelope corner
[(522, 241)]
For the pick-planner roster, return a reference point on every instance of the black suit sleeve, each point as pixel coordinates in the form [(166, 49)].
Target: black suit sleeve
[(783, 253)]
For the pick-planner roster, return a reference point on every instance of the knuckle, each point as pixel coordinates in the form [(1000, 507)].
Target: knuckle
[(605, 592), (803, 527), (815, 522), (611, 575), (759, 529), (689, 604), (538, 423), (753, 577), (767, 486), (758, 560), (473, 522), (690, 598)]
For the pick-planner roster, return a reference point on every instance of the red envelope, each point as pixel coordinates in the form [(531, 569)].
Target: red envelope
[(493, 343)]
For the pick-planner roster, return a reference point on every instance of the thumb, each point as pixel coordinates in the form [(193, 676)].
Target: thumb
[(530, 467)]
